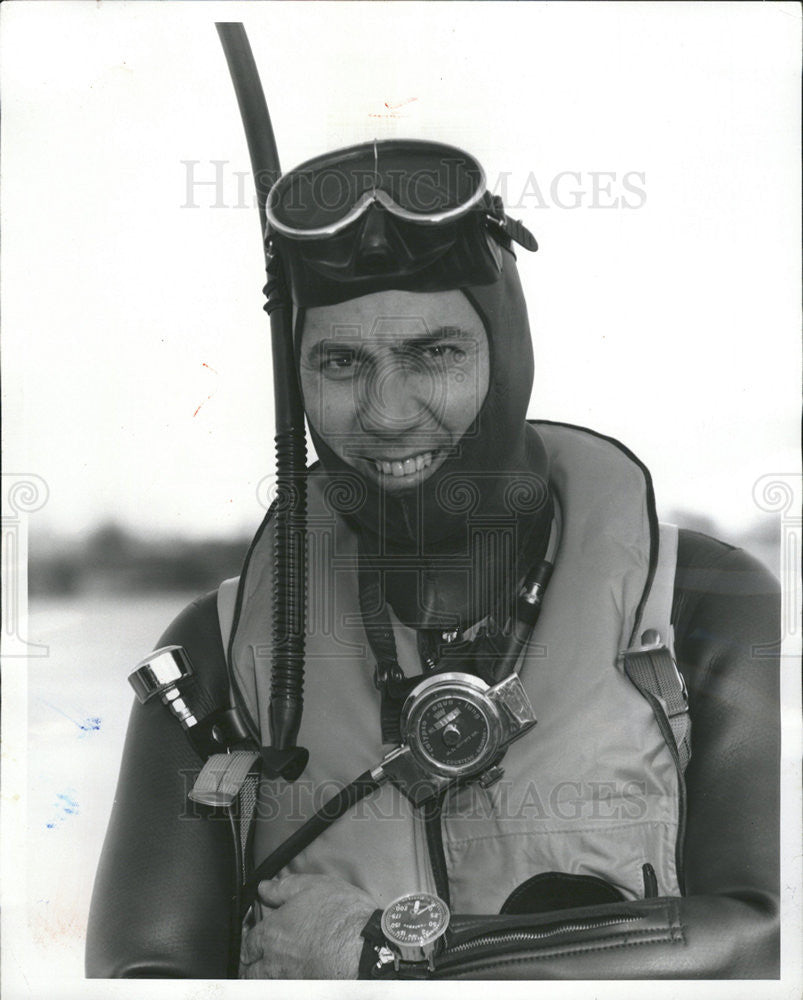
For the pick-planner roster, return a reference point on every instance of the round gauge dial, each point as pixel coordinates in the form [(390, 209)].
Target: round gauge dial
[(417, 919), (453, 731)]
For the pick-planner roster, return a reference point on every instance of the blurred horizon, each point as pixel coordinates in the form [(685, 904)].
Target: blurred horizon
[(117, 558)]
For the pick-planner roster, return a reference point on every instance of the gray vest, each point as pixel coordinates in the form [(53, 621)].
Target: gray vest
[(592, 790)]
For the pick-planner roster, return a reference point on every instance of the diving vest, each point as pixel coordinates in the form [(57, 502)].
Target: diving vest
[(593, 790)]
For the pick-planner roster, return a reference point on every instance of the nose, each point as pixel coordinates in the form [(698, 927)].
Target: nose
[(398, 394)]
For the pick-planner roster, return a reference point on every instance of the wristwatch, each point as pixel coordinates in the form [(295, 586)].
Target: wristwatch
[(407, 931)]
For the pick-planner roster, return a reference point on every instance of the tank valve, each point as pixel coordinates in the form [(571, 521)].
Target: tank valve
[(159, 673)]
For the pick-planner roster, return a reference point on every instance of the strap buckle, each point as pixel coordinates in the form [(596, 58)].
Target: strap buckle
[(652, 642), (652, 667)]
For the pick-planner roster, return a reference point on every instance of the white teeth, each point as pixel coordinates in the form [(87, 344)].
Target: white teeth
[(406, 468)]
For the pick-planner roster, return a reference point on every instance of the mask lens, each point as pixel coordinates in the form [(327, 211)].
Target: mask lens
[(314, 196), (414, 180), (430, 182)]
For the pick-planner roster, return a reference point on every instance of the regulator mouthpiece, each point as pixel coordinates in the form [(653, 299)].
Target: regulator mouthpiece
[(288, 763)]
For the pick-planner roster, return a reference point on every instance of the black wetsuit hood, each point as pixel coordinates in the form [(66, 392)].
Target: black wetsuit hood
[(473, 527)]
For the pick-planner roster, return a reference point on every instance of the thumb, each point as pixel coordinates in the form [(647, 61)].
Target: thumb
[(275, 891)]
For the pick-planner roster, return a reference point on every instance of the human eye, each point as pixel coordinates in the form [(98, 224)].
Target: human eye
[(338, 361), (451, 353)]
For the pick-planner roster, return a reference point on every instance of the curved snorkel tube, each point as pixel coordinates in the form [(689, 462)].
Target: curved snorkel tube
[(283, 758)]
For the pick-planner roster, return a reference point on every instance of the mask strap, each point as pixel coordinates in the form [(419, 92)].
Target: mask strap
[(504, 229)]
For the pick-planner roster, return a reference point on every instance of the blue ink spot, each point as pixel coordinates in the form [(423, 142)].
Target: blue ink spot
[(90, 725), (66, 806)]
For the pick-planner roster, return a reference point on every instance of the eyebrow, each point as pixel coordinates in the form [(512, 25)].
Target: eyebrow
[(441, 333)]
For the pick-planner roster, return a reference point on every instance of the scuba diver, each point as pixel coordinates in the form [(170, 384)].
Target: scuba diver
[(540, 731)]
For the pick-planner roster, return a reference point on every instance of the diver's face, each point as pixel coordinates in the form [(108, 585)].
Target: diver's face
[(393, 380)]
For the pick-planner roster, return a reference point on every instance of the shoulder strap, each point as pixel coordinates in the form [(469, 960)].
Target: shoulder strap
[(651, 665), (658, 609), (225, 777)]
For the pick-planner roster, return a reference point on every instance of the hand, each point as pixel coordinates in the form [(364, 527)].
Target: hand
[(309, 928)]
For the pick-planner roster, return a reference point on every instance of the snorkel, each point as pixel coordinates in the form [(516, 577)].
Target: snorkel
[(283, 758), (406, 214)]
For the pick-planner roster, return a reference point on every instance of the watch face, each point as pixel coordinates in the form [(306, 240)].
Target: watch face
[(418, 918)]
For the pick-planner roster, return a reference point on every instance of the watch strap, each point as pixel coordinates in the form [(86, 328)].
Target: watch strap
[(373, 938)]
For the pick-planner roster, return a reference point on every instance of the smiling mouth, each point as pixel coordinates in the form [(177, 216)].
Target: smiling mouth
[(405, 467)]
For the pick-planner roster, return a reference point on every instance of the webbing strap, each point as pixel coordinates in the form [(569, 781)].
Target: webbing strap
[(654, 671), (247, 804), (222, 777), (651, 666), (389, 677)]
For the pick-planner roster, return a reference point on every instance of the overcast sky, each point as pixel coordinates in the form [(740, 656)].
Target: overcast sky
[(652, 149)]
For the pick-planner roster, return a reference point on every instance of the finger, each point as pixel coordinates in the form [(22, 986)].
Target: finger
[(251, 948)]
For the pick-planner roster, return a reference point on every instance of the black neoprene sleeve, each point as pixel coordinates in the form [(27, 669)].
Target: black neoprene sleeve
[(162, 902)]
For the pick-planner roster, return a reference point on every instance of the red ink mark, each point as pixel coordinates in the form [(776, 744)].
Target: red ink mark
[(211, 394), (393, 108), (401, 104)]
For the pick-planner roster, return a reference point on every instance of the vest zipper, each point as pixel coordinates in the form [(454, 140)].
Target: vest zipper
[(669, 739), (522, 936)]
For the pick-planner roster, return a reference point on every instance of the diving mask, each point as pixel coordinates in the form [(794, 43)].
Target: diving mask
[(398, 213)]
